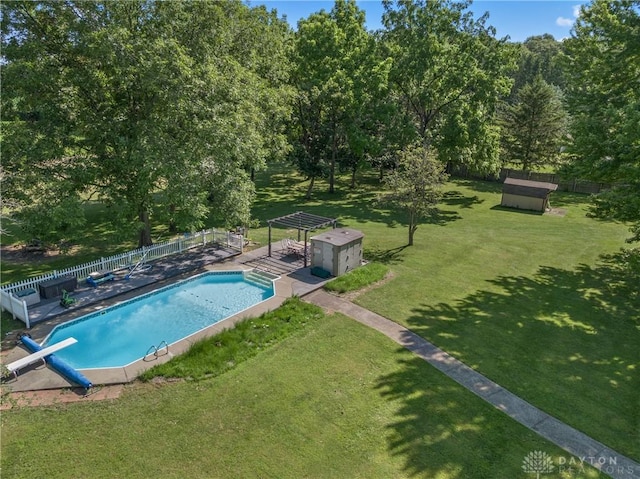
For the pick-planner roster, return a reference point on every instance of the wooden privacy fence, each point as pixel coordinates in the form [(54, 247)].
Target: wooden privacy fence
[(574, 185), (564, 184), (9, 301)]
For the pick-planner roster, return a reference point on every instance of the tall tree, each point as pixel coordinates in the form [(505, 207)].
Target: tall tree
[(415, 186), (339, 80), (603, 90), (450, 71), (138, 102), (535, 126), (539, 55)]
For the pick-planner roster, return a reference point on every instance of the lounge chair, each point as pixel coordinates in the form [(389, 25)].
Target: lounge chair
[(94, 279)]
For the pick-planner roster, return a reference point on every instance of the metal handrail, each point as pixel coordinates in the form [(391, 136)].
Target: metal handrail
[(136, 266), (151, 348), (156, 350), (166, 347)]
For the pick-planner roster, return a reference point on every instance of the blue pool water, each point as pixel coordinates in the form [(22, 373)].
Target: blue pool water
[(122, 334)]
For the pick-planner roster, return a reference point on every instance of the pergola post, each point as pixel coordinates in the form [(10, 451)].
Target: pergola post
[(302, 222)]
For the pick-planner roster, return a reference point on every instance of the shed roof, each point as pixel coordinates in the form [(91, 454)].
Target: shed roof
[(535, 189), (339, 236)]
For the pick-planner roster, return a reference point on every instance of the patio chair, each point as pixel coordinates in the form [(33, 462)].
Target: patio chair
[(299, 249), (291, 246), (66, 300)]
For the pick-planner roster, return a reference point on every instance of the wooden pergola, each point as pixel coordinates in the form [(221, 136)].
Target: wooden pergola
[(301, 221)]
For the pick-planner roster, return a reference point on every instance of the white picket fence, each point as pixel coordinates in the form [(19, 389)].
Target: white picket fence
[(118, 262), (16, 306)]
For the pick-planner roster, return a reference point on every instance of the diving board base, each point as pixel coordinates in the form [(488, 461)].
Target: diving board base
[(58, 364)]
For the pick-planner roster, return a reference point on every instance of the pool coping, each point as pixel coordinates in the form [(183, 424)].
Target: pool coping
[(297, 282), (131, 371)]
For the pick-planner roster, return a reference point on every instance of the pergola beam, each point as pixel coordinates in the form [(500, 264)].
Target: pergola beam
[(301, 221)]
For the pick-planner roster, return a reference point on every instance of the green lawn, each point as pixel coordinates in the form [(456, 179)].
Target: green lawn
[(335, 400), (541, 304)]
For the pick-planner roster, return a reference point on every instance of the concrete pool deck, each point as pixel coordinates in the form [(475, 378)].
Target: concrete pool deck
[(294, 280)]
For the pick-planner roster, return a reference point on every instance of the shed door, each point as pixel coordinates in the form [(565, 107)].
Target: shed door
[(323, 255), (327, 257)]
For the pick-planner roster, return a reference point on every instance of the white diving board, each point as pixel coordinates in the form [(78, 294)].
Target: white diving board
[(33, 357)]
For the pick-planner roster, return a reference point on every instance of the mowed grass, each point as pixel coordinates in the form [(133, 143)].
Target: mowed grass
[(541, 304), (335, 400), (213, 356)]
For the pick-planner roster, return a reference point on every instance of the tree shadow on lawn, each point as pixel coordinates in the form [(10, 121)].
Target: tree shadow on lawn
[(442, 430), (566, 198), (567, 341), (387, 256), (481, 186), (345, 205), (361, 205), (456, 198)]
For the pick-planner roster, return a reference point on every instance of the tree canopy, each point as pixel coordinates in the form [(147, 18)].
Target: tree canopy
[(534, 126), (602, 66), (340, 83), (163, 110), (539, 55), (137, 103), (449, 71), (415, 186)]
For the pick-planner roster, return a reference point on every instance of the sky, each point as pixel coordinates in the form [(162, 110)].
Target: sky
[(519, 19)]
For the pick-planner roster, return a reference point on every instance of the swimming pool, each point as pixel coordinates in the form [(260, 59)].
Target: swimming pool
[(122, 334)]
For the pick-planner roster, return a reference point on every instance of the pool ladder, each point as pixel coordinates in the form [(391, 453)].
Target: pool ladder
[(156, 350)]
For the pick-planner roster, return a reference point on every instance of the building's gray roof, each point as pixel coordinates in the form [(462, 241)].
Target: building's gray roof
[(339, 236), (535, 189)]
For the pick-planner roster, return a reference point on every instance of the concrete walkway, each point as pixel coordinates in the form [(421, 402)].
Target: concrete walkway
[(571, 440)]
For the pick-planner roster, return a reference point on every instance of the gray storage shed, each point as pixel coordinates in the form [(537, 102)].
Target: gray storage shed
[(337, 251), (527, 194)]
